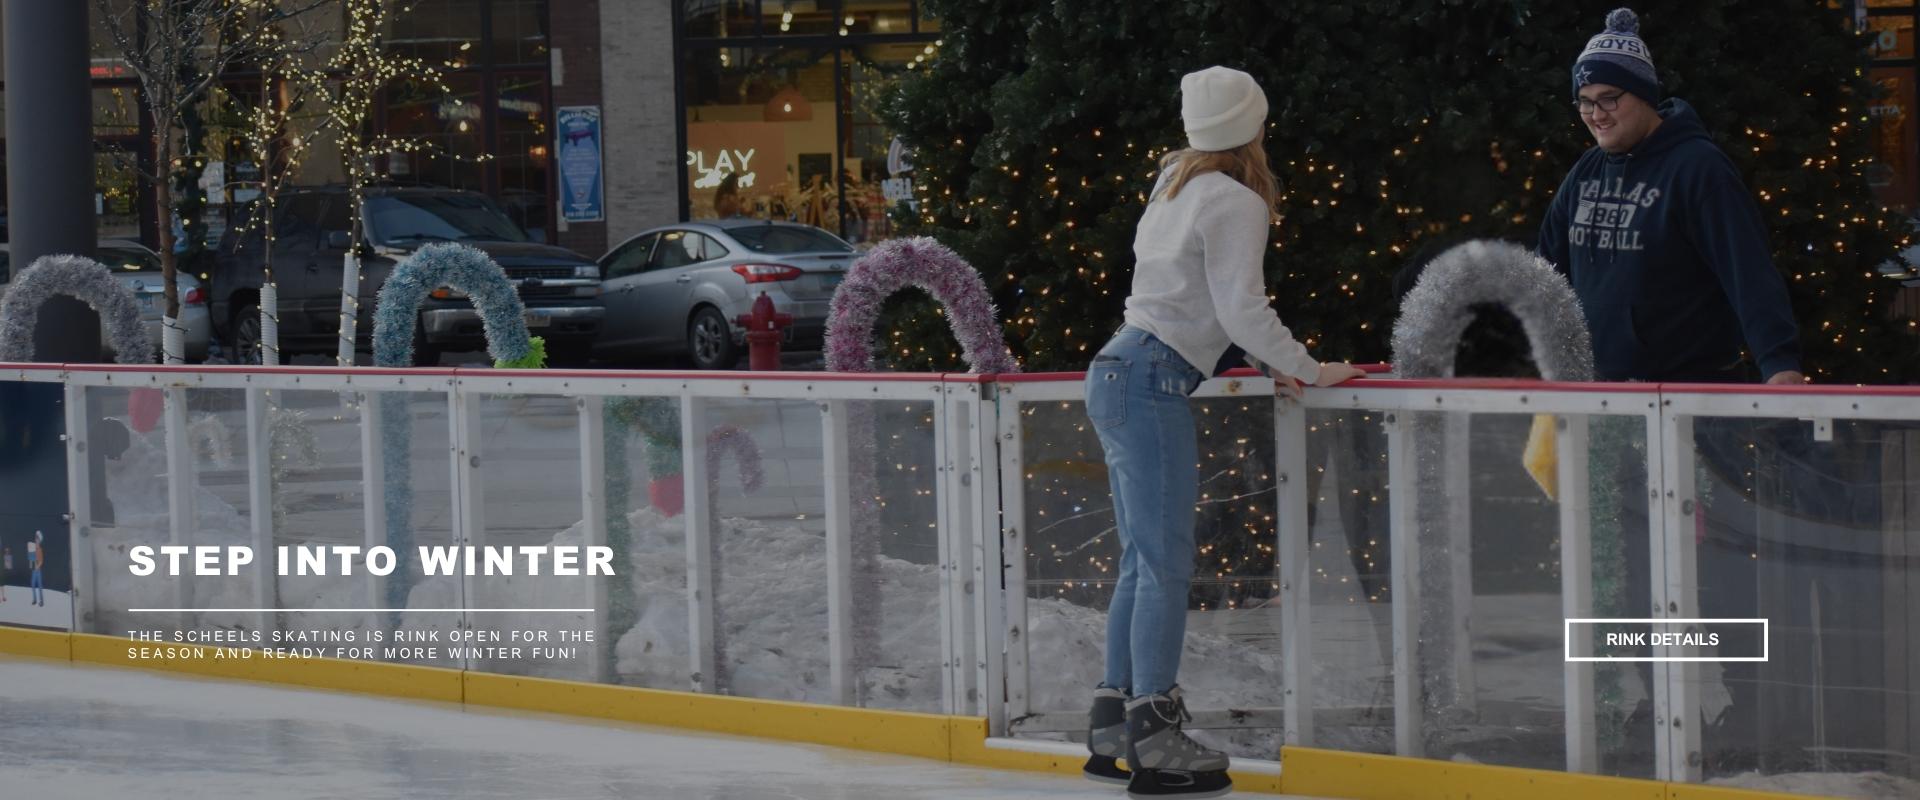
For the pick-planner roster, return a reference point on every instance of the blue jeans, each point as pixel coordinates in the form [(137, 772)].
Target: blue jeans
[(36, 586), (1137, 390)]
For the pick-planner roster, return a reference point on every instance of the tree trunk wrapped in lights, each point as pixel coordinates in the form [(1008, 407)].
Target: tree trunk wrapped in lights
[(278, 136), (363, 68)]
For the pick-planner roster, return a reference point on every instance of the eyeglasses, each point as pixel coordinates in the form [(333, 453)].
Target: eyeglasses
[(1605, 103)]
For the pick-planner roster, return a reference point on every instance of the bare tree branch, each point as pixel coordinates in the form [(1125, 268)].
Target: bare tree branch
[(179, 49)]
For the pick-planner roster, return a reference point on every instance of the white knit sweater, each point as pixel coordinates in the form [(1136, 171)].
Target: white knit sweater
[(1197, 282)]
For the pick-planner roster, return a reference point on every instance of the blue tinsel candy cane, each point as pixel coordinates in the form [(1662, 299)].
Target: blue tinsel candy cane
[(504, 318)]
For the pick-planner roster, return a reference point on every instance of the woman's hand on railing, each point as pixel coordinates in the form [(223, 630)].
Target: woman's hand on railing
[(1332, 373)]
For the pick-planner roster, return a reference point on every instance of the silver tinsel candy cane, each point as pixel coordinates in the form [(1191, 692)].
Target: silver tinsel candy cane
[(1438, 310), (1426, 339), (79, 277)]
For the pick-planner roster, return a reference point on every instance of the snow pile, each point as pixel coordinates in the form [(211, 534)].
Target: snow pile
[(1866, 785)]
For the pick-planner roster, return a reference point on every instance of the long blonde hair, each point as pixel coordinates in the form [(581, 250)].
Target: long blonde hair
[(1246, 164)]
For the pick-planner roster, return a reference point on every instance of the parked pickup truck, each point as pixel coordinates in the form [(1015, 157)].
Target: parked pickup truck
[(560, 288)]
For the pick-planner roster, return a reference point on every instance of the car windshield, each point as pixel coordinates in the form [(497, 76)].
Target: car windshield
[(778, 239), (413, 218), (126, 259)]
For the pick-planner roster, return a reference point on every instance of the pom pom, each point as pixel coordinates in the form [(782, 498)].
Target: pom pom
[(144, 405), (536, 357), (1623, 20)]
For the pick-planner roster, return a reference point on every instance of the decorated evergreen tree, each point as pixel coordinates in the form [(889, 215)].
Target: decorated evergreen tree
[(1395, 124), (1398, 127)]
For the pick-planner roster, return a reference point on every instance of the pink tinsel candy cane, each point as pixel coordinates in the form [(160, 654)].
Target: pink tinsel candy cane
[(746, 453)]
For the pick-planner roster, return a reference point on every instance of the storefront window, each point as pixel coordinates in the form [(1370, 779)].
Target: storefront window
[(761, 123), (876, 16), (450, 126), (522, 152), (443, 33), (873, 182), (798, 18), (116, 154), (719, 19), (520, 33), (784, 132), (116, 193), (1890, 38), (116, 110), (105, 57), (1892, 173)]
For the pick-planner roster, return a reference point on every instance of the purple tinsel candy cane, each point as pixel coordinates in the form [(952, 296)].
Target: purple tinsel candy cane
[(899, 264)]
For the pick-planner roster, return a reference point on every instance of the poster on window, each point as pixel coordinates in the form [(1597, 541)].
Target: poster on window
[(578, 128)]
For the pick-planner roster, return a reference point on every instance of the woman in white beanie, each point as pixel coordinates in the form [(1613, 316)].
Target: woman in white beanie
[(1198, 289)]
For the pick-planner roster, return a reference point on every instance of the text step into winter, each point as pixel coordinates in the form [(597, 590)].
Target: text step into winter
[(1596, 639)]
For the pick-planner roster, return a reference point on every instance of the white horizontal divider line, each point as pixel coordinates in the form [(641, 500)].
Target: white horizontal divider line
[(357, 610)]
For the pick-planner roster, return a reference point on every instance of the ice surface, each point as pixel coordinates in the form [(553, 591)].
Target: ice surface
[(82, 732)]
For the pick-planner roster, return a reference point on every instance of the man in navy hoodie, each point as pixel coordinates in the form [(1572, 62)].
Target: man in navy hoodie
[(1669, 257), (1663, 243)]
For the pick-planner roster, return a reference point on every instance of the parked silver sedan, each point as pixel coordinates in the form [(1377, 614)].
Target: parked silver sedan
[(139, 268), (677, 290)]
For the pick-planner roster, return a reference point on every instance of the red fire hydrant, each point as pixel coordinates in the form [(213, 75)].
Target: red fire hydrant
[(763, 326)]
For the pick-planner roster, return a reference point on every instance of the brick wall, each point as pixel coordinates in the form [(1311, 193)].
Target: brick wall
[(638, 73)]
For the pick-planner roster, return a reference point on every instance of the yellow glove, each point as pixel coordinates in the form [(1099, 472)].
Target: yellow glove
[(1540, 459)]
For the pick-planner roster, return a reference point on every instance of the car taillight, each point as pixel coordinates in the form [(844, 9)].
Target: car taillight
[(767, 273), (195, 297)]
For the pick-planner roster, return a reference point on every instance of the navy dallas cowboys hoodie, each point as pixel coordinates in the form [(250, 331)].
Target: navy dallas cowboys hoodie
[(1668, 254)]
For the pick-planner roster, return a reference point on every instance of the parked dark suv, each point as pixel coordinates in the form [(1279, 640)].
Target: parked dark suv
[(561, 288)]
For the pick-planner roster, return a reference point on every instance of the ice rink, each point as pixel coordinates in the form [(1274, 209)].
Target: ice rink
[(84, 732)]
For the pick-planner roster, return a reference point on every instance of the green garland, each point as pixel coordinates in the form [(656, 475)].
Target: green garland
[(1612, 443)]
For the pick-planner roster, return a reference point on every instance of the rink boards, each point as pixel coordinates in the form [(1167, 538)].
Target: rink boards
[(959, 740)]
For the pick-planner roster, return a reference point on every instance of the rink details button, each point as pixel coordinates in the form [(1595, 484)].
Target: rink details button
[(1712, 639)]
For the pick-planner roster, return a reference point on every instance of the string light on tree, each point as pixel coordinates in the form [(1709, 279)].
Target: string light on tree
[(360, 70)]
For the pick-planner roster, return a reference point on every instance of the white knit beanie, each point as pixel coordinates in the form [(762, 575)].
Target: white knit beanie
[(1223, 108)]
